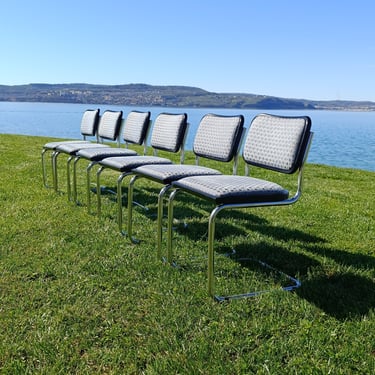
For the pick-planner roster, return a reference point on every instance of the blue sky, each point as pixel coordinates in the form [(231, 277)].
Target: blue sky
[(322, 49)]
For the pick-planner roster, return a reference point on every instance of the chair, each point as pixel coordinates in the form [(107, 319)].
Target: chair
[(135, 129), (168, 134), (217, 138), (89, 125), (108, 129), (275, 143)]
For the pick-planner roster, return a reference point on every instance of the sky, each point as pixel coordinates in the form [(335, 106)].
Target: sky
[(304, 49)]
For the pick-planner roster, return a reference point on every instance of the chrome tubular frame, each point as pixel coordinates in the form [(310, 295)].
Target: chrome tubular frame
[(119, 200), (160, 214), (44, 172), (211, 233), (118, 193), (211, 240), (88, 185), (98, 195), (68, 182), (55, 154)]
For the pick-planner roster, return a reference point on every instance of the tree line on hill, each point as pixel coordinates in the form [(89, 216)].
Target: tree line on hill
[(164, 96)]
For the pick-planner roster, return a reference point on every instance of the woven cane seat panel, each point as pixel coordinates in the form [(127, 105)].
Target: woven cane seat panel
[(135, 128), (233, 189), (53, 145), (217, 137), (72, 148), (168, 132), (109, 125), (89, 122), (127, 163), (169, 173), (106, 152), (274, 142)]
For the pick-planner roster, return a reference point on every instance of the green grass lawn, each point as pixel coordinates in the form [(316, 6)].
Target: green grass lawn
[(78, 298)]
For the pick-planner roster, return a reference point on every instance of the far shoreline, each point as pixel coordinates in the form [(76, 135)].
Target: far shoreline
[(144, 95)]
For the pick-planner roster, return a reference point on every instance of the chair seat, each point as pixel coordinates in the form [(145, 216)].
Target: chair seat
[(128, 163), (53, 145), (72, 148), (96, 154), (233, 189), (166, 174)]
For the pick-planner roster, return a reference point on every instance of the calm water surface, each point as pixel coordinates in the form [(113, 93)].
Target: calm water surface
[(342, 139)]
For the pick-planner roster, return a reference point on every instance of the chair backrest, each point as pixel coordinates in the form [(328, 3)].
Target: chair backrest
[(277, 143), (89, 122), (169, 130), (218, 137), (109, 125), (136, 127)]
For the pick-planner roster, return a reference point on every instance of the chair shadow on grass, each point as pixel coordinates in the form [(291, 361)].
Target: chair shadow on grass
[(345, 258), (342, 295), (345, 295), (144, 196), (238, 222)]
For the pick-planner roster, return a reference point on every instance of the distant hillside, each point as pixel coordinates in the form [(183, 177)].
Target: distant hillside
[(168, 96)]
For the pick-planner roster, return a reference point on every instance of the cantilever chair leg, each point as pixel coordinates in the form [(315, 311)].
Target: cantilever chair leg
[(75, 199), (88, 185), (53, 168), (161, 195), (170, 224), (75, 195), (44, 172), (130, 209), (88, 182), (54, 171), (98, 191), (295, 283), (68, 182), (210, 266), (119, 200), (119, 195), (210, 261)]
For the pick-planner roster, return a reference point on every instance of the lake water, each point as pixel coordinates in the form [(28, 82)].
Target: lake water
[(342, 139)]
